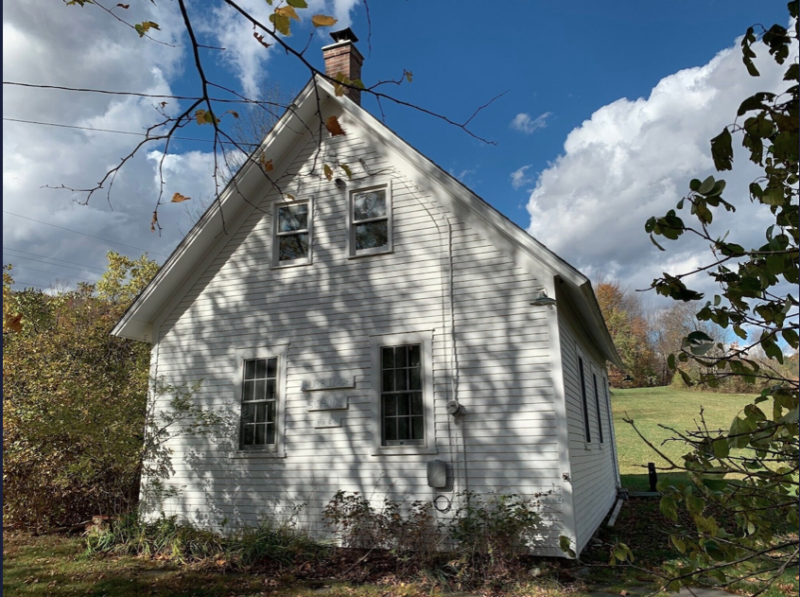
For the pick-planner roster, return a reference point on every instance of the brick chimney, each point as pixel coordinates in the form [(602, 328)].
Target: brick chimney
[(342, 56)]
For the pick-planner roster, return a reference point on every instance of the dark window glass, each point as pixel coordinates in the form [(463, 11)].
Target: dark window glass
[(597, 405), (585, 402), (402, 412), (370, 220), (372, 235), (259, 403), (369, 205), (293, 222)]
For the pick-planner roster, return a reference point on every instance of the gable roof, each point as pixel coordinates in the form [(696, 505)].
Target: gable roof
[(211, 232)]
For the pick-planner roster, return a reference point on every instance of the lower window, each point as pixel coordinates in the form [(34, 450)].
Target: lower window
[(402, 385), (259, 404), (402, 410)]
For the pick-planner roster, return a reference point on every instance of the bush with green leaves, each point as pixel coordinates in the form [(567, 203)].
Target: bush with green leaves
[(744, 494)]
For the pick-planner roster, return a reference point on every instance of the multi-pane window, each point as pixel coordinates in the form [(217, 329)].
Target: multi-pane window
[(585, 401), (292, 233), (370, 221), (402, 419), (597, 404), (259, 403)]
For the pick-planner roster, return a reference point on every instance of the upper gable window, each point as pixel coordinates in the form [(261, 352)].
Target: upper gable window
[(370, 221), (292, 244)]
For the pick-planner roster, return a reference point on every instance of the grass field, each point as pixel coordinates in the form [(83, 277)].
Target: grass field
[(651, 407)]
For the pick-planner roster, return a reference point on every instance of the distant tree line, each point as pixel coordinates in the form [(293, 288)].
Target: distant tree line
[(645, 337)]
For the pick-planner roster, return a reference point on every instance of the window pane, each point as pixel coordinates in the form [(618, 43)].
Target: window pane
[(260, 434), (293, 217), (403, 431), (261, 390), (400, 379), (248, 413), (417, 431), (387, 357), (401, 356), (271, 412), (402, 404), (250, 369), (369, 205), (270, 390), (389, 406), (272, 368), (293, 246), (413, 356), (249, 435), (261, 368), (414, 379), (374, 234), (248, 388), (389, 429), (270, 434), (387, 381), (416, 403), (261, 413)]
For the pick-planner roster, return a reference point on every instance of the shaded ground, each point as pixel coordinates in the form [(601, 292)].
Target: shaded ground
[(54, 565)]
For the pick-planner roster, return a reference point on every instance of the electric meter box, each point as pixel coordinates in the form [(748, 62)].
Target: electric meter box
[(437, 474)]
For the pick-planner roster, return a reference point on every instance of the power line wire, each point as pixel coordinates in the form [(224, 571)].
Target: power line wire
[(242, 100), (99, 130), (29, 285), (41, 271), (53, 264), (83, 233), (82, 265)]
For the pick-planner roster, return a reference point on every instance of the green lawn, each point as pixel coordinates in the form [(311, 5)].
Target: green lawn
[(651, 407)]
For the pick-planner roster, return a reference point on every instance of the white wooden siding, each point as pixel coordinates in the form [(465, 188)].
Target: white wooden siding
[(594, 483), (506, 441)]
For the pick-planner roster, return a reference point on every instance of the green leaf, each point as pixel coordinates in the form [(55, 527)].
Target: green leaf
[(668, 508), (708, 184), (281, 22), (653, 240), (722, 151), (679, 543), (297, 3), (773, 196), (347, 171), (721, 448)]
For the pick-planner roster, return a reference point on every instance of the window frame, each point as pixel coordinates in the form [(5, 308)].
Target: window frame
[(425, 341), (352, 252), (581, 365), (600, 436), (275, 450), (276, 234)]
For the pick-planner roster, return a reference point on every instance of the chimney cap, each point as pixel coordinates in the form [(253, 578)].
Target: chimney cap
[(344, 35)]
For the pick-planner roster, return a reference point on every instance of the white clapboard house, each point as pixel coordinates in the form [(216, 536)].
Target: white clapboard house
[(387, 332)]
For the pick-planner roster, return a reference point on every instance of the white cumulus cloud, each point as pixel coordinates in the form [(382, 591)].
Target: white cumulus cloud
[(520, 177), (524, 123), (633, 159)]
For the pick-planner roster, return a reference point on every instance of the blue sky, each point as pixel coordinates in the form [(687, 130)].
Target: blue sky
[(607, 115)]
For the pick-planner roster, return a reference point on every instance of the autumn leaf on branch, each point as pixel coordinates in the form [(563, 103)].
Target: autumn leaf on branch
[(260, 38), (333, 126), (143, 27), (14, 322), (323, 21), (328, 172), (178, 198), (266, 164)]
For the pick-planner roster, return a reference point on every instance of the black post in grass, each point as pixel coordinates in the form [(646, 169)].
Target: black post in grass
[(651, 473)]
